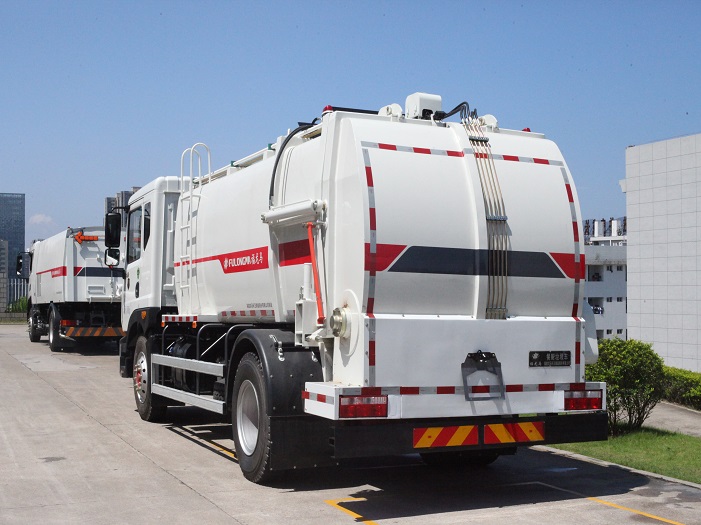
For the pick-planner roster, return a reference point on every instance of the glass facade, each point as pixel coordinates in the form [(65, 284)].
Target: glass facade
[(12, 223)]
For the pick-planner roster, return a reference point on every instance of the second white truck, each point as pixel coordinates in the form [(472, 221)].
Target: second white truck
[(74, 295)]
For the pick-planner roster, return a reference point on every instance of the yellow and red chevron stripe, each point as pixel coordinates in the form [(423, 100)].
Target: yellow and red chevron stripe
[(514, 433), (446, 436), (97, 331)]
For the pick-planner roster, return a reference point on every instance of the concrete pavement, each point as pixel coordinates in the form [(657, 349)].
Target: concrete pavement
[(675, 418), (73, 449)]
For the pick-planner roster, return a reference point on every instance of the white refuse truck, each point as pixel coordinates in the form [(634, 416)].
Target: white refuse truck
[(373, 283), (74, 295)]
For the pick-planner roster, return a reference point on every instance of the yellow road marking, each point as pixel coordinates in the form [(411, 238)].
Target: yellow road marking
[(335, 503), (638, 512), (614, 505), (209, 444), (221, 449)]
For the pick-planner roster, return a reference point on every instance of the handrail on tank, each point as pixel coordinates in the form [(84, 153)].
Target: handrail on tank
[(193, 152)]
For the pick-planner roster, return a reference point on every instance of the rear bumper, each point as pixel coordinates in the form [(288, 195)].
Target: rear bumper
[(98, 332), (72, 335), (377, 438), (306, 441)]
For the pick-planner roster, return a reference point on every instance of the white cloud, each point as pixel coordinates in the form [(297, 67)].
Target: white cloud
[(40, 218)]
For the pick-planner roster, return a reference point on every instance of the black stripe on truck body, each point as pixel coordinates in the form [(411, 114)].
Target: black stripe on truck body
[(464, 261)]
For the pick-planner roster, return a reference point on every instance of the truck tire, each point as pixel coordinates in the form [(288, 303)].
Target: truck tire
[(251, 426), (149, 406), (54, 337), (34, 334)]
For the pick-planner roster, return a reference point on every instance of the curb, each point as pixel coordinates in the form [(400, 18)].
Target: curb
[(601, 462)]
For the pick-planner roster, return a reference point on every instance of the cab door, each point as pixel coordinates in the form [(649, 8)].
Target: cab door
[(137, 280)]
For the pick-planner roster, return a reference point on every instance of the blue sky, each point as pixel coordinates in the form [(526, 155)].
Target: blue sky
[(97, 97)]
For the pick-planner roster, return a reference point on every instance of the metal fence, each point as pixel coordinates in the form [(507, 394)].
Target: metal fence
[(16, 289)]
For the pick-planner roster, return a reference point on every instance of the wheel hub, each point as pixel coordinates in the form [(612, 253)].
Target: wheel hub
[(140, 377), (247, 417)]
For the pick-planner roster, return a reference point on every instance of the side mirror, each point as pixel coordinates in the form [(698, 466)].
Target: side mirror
[(22, 268), (113, 229), (112, 256)]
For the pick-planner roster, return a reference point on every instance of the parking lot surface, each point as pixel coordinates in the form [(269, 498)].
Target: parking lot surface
[(75, 450)]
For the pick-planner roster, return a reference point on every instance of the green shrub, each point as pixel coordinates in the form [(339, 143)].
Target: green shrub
[(682, 387), (19, 306), (634, 376)]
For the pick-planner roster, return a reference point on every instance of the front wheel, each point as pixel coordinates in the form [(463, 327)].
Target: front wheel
[(149, 406), (54, 337), (250, 422), (32, 328)]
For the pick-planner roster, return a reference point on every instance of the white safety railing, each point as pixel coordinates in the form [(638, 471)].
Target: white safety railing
[(16, 289), (11, 291)]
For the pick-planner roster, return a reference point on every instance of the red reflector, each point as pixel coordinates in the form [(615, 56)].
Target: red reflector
[(362, 406), (69, 322), (583, 400)]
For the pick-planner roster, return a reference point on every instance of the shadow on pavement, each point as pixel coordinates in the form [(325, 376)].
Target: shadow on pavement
[(403, 486)]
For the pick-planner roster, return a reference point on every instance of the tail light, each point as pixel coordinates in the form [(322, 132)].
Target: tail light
[(69, 322), (583, 400), (363, 406)]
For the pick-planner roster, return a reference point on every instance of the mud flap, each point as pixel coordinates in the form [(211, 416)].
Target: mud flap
[(301, 442)]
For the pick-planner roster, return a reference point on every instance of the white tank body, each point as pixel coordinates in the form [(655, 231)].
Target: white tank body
[(415, 220), (235, 255), (429, 257)]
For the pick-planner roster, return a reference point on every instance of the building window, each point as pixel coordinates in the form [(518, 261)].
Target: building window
[(619, 299), (619, 331), (609, 299), (619, 268), (609, 331), (609, 268)]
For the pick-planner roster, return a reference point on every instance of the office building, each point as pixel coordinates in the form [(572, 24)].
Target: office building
[(12, 222), (663, 206), (606, 275)]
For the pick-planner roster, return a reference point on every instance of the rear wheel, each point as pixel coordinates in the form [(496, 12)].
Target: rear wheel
[(54, 337), (149, 406), (250, 421)]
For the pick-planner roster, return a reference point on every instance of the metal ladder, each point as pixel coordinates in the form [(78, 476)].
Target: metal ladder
[(188, 194), (497, 231)]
